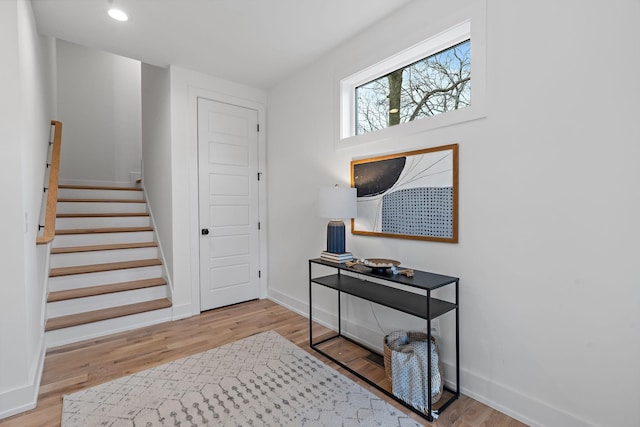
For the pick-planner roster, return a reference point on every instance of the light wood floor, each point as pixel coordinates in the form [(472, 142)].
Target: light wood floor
[(77, 366)]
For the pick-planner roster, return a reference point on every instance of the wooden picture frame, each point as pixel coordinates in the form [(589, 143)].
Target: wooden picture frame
[(409, 195)]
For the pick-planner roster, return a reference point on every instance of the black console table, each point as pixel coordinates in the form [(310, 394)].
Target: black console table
[(423, 306)]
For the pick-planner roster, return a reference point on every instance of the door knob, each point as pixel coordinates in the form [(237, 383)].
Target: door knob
[(205, 231)]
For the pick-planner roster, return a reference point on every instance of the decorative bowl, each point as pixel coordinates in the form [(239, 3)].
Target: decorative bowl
[(380, 265)]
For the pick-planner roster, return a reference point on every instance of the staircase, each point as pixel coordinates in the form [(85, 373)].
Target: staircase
[(105, 271)]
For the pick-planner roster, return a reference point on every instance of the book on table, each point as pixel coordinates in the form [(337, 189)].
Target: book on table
[(339, 258)]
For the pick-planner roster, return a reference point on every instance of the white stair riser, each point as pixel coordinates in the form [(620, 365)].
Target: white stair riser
[(67, 240), (74, 193), (76, 281), (102, 257), (100, 207), (106, 327), (80, 305), (98, 302), (102, 222)]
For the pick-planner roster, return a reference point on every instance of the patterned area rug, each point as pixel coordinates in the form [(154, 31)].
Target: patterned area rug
[(262, 380)]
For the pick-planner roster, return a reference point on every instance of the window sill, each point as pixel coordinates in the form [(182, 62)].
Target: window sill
[(451, 118)]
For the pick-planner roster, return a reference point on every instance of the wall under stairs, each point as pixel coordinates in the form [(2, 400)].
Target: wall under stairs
[(106, 273)]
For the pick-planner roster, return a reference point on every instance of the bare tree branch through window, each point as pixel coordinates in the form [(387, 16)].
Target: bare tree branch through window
[(433, 85)]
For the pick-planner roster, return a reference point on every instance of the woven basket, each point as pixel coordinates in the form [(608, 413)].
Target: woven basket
[(416, 336)]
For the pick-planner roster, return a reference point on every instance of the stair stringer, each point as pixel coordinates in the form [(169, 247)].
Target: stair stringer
[(166, 274)]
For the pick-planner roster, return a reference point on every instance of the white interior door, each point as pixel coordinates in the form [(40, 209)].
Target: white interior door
[(228, 197)]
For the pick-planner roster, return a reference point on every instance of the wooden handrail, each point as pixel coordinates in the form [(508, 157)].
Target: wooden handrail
[(52, 194)]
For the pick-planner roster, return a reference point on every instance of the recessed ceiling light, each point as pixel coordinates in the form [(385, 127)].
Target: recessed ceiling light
[(118, 15)]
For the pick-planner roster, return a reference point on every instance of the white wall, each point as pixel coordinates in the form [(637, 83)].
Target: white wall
[(27, 106), (99, 104), (156, 154), (548, 203), (186, 87)]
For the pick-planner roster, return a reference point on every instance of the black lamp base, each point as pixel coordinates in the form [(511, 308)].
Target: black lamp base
[(336, 237)]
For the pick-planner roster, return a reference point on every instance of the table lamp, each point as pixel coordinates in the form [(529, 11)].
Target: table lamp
[(336, 203)]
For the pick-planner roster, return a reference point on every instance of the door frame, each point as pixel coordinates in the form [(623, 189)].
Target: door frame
[(242, 135), (194, 218)]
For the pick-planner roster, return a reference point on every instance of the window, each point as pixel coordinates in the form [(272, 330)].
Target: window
[(425, 86), (433, 85)]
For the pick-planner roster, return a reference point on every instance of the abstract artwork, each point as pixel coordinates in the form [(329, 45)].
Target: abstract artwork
[(410, 195)]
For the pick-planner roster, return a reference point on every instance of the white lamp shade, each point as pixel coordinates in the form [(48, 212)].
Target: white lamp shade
[(337, 202)]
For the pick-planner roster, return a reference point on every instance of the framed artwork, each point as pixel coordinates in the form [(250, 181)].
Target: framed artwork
[(410, 195)]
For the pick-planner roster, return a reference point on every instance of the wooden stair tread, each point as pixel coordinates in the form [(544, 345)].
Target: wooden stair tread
[(67, 200), (101, 230), (111, 247), (100, 215), (105, 314), (97, 268), (90, 291), (98, 187)]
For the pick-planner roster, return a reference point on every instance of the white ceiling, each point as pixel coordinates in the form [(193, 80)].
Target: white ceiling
[(254, 42)]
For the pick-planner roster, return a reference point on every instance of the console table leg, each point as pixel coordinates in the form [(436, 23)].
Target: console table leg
[(339, 314), (310, 309)]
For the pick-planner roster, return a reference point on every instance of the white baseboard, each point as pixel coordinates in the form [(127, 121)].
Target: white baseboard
[(17, 400), (520, 406), (369, 338), (295, 305), (182, 311), (22, 399), (514, 403)]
